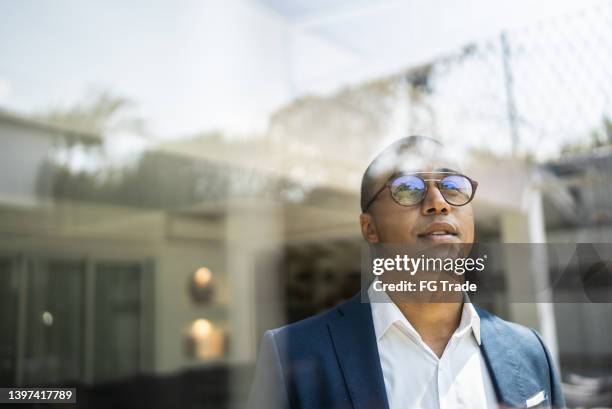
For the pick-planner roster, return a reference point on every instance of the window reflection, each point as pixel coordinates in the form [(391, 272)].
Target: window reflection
[(150, 233)]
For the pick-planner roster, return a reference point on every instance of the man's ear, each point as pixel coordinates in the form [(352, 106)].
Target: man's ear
[(368, 228)]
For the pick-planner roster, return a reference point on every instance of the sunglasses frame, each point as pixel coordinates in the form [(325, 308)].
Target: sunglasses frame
[(392, 179)]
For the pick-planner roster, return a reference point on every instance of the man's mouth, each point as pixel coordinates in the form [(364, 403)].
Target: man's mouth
[(439, 232)]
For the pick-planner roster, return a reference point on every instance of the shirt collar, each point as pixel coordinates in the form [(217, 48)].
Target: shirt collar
[(385, 314)]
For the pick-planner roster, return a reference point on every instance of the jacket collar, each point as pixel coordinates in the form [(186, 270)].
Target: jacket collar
[(386, 313)]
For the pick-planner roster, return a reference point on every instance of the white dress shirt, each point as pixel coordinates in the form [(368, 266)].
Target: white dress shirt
[(414, 375)]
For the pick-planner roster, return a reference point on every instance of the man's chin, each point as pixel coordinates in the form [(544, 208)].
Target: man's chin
[(448, 247)]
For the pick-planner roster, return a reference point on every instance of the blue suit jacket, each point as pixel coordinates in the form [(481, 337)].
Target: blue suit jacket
[(331, 361)]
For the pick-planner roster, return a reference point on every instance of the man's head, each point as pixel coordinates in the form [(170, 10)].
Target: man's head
[(420, 170)]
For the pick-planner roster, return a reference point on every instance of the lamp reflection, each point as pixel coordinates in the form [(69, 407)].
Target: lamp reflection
[(202, 277), (201, 286), (204, 341)]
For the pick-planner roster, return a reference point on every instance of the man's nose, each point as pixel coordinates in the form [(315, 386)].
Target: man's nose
[(434, 202)]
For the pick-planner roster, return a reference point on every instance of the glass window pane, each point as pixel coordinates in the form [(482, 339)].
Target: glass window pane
[(117, 319), (8, 320), (54, 328)]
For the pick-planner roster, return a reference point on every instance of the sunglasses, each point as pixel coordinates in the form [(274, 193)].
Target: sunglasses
[(411, 189)]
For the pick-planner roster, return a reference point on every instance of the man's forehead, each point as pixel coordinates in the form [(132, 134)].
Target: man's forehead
[(434, 171), (423, 159)]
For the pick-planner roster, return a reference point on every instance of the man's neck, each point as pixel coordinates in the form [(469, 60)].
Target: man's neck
[(435, 322)]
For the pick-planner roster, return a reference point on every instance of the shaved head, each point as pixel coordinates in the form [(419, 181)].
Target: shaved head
[(406, 155)]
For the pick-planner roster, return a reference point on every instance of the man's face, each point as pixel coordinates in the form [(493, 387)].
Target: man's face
[(429, 222)]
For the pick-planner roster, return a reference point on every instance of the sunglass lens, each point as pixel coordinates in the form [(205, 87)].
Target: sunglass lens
[(456, 189), (408, 190)]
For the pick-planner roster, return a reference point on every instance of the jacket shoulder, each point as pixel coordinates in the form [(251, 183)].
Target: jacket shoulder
[(311, 325), (311, 338)]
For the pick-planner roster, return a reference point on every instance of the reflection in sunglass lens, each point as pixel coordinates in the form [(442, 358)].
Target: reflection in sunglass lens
[(408, 190), (456, 189)]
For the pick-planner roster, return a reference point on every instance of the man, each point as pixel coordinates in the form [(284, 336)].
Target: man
[(396, 354)]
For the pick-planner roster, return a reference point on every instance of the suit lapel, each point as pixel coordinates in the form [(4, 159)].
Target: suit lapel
[(511, 378), (357, 351)]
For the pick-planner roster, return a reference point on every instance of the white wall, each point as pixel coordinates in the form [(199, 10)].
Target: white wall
[(22, 151)]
